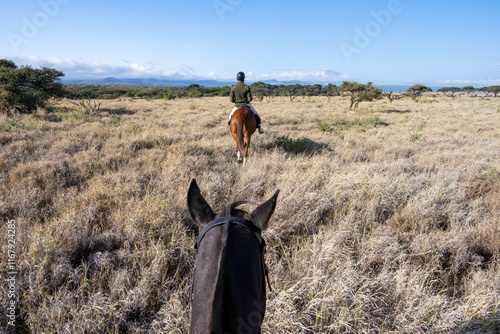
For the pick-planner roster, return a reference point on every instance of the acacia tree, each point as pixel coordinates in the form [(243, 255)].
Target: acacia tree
[(359, 92), (393, 96), (24, 89), (453, 90), (490, 89), (469, 89), (417, 91), (443, 90), (495, 90)]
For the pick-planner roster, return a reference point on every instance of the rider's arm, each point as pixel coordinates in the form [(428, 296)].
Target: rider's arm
[(232, 97), (249, 95)]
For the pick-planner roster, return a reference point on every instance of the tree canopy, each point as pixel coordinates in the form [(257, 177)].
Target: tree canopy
[(417, 90), (24, 89), (359, 92), (453, 90), (490, 89), (469, 89)]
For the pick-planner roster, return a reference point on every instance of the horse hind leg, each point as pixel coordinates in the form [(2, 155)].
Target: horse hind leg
[(245, 153)]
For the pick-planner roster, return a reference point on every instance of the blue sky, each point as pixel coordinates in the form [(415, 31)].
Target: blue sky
[(388, 41)]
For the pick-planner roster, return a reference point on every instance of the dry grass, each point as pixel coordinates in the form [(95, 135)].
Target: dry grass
[(387, 221)]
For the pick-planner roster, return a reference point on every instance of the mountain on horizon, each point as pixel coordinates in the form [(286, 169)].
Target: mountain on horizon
[(152, 82), (112, 81)]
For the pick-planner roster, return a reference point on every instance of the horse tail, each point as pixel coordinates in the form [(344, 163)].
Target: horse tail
[(240, 133)]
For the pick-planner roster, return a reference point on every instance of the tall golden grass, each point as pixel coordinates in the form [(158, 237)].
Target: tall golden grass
[(388, 220)]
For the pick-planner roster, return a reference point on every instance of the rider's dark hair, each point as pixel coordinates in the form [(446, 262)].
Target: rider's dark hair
[(240, 76)]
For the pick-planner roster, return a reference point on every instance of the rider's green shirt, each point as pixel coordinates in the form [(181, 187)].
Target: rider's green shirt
[(240, 94)]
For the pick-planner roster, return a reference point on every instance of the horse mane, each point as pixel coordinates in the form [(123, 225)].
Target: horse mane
[(231, 209)]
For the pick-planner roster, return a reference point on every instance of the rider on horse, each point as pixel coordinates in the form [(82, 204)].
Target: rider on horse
[(241, 96)]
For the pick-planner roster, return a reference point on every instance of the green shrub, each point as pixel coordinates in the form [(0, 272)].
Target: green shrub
[(417, 133), (323, 127), (11, 123), (374, 121), (339, 124), (170, 95), (292, 145)]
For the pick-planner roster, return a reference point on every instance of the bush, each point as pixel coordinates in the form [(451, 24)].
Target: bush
[(340, 123), (374, 121), (323, 127), (170, 95), (292, 145)]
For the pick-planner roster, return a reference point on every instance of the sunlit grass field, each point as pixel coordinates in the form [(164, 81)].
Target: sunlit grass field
[(388, 219)]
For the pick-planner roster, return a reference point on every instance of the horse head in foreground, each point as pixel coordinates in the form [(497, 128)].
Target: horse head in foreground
[(229, 290), (242, 127)]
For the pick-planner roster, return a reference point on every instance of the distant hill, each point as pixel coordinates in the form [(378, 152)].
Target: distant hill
[(152, 82), (146, 82), (149, 82)]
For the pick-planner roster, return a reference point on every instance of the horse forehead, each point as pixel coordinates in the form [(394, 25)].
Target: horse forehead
[(238, 232), (239, 241)]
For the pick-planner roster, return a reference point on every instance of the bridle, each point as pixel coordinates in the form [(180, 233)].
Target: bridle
[(256, 232)]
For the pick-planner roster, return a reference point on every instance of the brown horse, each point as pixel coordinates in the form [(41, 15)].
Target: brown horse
[(228, 291), (243, 125)]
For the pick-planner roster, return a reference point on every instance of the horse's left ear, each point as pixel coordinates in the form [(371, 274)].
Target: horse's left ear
[(261, 215), (199, 210)]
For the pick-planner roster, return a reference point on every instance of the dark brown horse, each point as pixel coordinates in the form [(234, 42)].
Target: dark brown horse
[(229, 292), (243, 125)]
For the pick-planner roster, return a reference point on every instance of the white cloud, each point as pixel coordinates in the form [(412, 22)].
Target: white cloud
[(323, 75), (80, 69), (481, 82)]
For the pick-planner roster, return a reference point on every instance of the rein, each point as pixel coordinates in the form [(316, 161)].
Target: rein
[(242, 222)]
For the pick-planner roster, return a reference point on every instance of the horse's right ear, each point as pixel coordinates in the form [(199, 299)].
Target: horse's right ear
[(199, 210), (261, 215)]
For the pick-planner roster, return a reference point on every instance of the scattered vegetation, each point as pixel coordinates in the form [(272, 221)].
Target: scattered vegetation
[(11, 123), (490, 89), (358, 92), (292, 145), (88, 106), (416, 134), (453, 90), (416, 91), (323, 126), (393, 96), (340, 124)]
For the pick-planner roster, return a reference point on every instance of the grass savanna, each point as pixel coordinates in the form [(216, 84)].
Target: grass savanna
[(387, 220)]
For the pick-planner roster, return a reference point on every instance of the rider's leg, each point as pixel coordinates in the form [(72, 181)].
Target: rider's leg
[(231, 115), (253, 109), (257, 118)]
